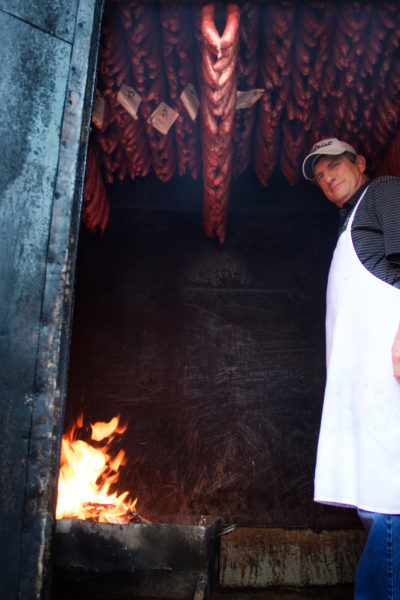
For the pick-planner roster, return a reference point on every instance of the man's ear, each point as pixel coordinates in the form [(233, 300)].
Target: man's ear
[(361, 162)]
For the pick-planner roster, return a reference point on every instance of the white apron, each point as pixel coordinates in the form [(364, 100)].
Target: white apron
[(358, 458)]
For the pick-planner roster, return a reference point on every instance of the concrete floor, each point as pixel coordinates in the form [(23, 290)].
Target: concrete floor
[(337, 592)]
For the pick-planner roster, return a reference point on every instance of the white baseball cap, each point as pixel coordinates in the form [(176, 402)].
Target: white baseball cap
[(329, 146)]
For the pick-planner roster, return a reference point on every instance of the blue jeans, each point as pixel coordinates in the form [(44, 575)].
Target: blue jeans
[(378, 572)]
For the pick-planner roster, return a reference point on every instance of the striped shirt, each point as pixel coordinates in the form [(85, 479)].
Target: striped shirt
[(376, 227)]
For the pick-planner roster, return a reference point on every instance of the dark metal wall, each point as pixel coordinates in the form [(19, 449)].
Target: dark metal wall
[(214, 354), (48, 50)]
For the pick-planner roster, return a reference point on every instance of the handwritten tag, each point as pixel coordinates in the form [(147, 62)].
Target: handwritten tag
[(190, 100), (99, 107), (248, 98), (163, 118), (129, 99)]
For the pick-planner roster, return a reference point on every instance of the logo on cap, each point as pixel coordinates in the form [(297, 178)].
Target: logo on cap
[(321, 145)]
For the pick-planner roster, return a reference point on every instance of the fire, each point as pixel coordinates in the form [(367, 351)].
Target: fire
[(87, 473)]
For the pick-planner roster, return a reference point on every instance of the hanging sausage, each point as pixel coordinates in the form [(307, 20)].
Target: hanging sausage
[(218, 99), (179, 59), (141, 22), (275, 68), (122, 137), (247, 74), (95, 207)]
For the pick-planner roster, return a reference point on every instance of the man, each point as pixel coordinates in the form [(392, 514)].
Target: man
[(358, 458)]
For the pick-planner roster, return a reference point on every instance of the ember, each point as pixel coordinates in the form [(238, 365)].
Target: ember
[(88, 472)]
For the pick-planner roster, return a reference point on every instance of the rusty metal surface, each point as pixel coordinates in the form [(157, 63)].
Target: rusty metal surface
[(34, 73), (336, 592), (47, 68), (152, 560), (261, 557), (55, 17)]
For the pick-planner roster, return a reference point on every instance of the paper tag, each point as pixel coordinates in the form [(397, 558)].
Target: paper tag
[(248, 98), (129, 99), (190, 100), (163, 118), (99, 107)]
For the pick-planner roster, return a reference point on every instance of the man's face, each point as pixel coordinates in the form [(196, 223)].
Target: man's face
[(339, 178)]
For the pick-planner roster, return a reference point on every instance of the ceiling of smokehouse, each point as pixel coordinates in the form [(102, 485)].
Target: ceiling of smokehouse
[(210, 90)]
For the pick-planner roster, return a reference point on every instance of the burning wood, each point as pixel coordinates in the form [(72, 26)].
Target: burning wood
[(87, 474)]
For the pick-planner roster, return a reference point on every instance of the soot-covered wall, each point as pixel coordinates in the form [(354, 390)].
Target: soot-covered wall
[(213, 354)]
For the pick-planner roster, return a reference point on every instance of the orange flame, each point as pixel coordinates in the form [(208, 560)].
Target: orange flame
[(87, 473)]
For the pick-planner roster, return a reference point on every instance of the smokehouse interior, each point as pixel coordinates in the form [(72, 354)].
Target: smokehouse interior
[(203, 253), (162, 417)]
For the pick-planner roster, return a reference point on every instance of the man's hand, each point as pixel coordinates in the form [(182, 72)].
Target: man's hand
[(396, 355)]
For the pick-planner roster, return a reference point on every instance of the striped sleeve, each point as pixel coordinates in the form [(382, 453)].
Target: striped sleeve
[(387, 202)]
